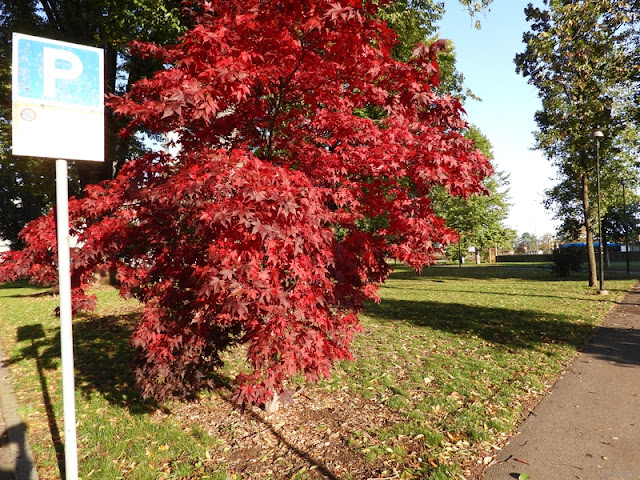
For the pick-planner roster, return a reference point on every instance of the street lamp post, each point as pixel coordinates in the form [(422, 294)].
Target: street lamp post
[(626, 221), (598, 135)]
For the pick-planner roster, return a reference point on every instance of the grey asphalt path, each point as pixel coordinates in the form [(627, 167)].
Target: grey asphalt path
[(588, 426), (16, 459)]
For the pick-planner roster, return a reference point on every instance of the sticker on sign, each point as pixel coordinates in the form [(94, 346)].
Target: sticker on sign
[(58, 99)]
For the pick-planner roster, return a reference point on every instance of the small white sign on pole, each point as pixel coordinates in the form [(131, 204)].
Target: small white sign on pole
[(58, 112), (58, 99)]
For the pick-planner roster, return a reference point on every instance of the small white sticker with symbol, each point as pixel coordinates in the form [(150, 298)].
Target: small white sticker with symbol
[(27, 114)]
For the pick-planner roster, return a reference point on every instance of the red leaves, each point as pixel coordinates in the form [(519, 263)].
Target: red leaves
[(344, 14), (307, 156), (251, 244)]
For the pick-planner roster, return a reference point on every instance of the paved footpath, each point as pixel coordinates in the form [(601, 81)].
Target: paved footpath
[(588, 426), (16, 460)]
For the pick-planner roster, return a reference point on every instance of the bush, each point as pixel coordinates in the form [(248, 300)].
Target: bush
[(567, 260)]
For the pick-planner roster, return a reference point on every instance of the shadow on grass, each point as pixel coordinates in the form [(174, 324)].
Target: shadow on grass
[(22, 284), (485, 271), (522, 294), (17, 285), (518, 329), (491, 271), (515, 329), (47, 293), (36, 338), (102, 358)]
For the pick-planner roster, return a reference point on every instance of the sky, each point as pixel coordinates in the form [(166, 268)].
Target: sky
[(506, 113)]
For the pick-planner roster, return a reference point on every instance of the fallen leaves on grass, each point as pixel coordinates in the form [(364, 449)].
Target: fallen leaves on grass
[(326, 434)]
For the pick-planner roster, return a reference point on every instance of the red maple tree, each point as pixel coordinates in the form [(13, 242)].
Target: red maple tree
[(305, 157)]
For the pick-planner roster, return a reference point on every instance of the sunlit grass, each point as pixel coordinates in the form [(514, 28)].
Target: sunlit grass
[(458, 353), (119, 436)]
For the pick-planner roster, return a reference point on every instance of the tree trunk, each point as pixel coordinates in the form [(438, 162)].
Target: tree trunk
[(587, 224)]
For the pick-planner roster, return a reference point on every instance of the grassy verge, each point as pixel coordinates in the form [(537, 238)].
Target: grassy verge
[(455, 356), (634, 266), (118, 435), (462, 352)]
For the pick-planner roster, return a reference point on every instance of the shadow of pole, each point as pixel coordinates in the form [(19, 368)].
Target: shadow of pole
[(34, 333)]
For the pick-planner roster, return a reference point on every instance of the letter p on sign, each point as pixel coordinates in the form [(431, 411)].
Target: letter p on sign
[(58, 64), (58, 99)]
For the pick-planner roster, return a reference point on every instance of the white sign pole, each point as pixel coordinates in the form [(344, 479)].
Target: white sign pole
[(58, 99), (58, 112), (66, 335)]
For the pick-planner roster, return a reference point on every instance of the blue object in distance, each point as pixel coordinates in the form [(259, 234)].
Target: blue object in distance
[(584, 245)]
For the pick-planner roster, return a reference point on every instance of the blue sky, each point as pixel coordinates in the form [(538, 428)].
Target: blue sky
[(505, 114)]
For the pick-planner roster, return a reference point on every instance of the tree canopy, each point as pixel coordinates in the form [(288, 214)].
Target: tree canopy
[(27, 184), (580, 55), (274, 219)]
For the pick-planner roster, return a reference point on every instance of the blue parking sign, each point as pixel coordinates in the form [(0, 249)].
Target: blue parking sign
[(59, 73), (58, 99)]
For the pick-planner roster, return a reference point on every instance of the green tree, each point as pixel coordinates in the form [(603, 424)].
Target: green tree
[(26, 191), (527, 242), (578, 54), (479, 219), (618, 222), (622, 216), (415, 20), (547, 243)]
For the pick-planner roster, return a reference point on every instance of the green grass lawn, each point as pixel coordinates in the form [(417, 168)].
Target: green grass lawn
[(622, 266), (453, 357)]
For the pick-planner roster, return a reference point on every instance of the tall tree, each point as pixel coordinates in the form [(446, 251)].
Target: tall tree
[(273, 221), (620, 164), (548, 242), (109, 24), (623, 221), (528, 242), (26, 187), (415, 20), (577, 54)]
